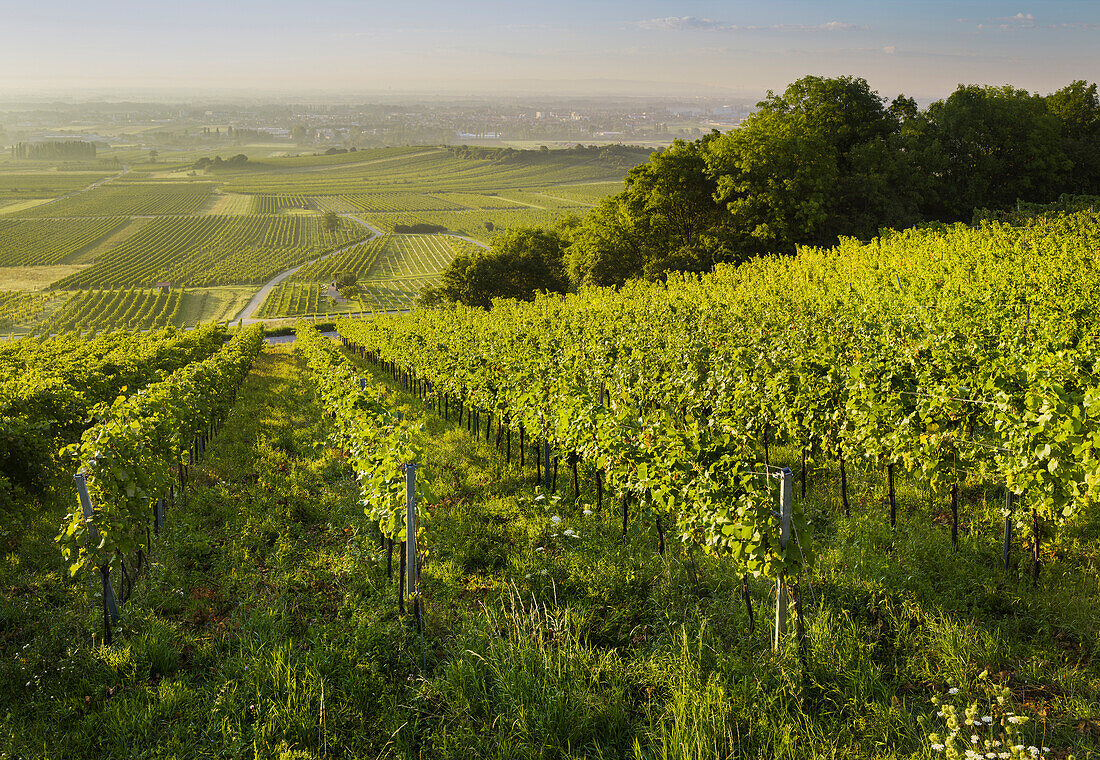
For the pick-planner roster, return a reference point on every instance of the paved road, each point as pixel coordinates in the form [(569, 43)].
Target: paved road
[(261, 295), (467, 239)]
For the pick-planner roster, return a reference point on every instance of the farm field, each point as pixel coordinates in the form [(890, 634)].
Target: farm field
[(391, 270), (210, 250), (30, 278), (472, 223), (46, 242), (424, 171), (211, 229), (599, 574), (23, 186), (19, 308), (132, 199), (131, 309)]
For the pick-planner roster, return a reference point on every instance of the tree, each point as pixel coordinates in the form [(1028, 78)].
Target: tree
[(819, 161), (988, 147), (1077, 108), (331, 221), (519, 263), (665, 219)]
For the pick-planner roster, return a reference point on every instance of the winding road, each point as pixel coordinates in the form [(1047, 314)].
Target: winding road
[(250, 308)]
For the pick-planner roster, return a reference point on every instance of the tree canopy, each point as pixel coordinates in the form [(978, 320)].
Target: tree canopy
[(518, 264)]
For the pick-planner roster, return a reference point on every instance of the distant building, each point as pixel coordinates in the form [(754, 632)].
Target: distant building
[(164, 287)]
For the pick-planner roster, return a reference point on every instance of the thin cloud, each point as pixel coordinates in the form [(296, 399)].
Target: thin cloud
[(1081, 26), (697, 24), (1006, 23), (680, 23)]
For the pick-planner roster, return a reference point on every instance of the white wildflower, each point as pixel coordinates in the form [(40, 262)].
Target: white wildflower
[(587, 513), (555, 519), (987, 719), (953, 690), (937, 748), (540, 548)]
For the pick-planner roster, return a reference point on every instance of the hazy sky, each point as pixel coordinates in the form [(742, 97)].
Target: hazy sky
[(919, 47)]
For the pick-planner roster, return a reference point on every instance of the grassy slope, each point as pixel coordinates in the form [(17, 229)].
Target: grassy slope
[(267, 623)]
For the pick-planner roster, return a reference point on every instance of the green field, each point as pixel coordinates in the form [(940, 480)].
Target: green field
[(131, 309), (392, 270), (44, 242), (266, 620), (206, 230), (212, 250), (133, 199), (21, 186), (424, 171), (473, 223), (19, 308)]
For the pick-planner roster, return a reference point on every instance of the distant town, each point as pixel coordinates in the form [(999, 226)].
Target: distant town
[(554, 122)]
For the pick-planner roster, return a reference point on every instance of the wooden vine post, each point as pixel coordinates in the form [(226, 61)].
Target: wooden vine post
[(110, 604), (412, 576)]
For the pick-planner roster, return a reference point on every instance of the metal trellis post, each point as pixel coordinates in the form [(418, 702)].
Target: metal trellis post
[(786, 503), (410, 533)]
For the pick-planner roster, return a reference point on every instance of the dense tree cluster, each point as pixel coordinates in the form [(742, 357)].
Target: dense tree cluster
[(55, 150), (238, 161), (518, 264), (831, 158), (623, 156)]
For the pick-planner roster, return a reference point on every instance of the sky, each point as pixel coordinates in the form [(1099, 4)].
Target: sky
[(922, 48)]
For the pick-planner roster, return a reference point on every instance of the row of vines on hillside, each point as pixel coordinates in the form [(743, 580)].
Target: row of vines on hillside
[(208, 250), (133, 453), (49, 387), (129, 309), (378, 441), (958, 355)]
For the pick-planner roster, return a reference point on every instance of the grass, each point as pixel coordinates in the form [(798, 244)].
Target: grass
[(267, 627), (227, 204), (12, 207), (213, 304), (35, 278)]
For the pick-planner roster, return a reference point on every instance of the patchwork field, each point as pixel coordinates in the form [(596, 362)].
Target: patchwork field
[(391, 271), (209, 229)]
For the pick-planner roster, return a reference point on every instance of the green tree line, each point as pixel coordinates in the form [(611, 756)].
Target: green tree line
[(826, 158), (56, 150)]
